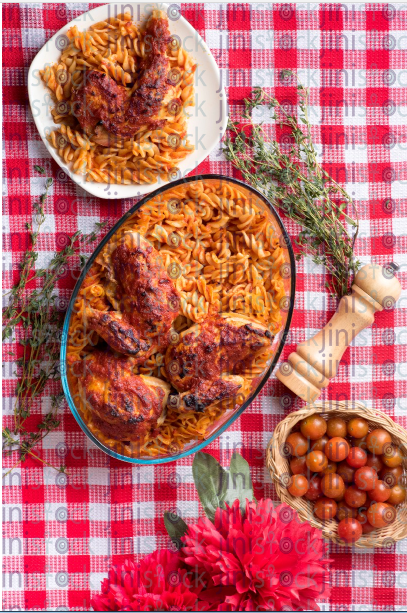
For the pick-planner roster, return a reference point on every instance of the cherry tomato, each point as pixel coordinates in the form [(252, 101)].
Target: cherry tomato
[(345, 471), (391, 476), (313, 427), (298, 466), (298, 485), (355, 498), (337, 449), (297, 444), (314, 489), (331, 468), (316, 461), (349, 530), (380, 493), (319, 444), (392, 456), (362, 519), (332, 485), (359, 442), (325, 508), (361, 515), (344, 511), (340, 497), (357, 427), (336, 427), (357, 457), (366, 478), (381, 514), (374, 461), (397, 495), (377, 440)]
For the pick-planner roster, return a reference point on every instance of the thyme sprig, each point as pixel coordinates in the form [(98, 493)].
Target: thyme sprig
[(289, 174), (33, 318)]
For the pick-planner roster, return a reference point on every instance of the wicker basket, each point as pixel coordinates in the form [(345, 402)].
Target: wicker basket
[(279, 468)]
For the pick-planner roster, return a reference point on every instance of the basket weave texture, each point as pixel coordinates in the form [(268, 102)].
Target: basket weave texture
[(278, 464)]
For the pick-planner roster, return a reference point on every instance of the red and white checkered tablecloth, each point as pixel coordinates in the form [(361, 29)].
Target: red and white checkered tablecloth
[(61, 534)]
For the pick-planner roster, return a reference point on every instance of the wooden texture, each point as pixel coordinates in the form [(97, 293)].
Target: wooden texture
[(316, 361)]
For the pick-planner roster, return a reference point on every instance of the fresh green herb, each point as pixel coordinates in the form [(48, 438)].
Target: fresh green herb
[(39, 169), (33, 318), (288, 173)]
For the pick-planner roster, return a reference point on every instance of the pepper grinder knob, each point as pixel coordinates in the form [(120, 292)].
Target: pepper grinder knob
[(310, 368)]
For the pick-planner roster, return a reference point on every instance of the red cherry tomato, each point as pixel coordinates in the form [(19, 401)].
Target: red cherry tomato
[(366, 478), (357, 427), (381, 514), (391, 476), (355, 498), (357, 457), (344, 511), (314, 489), (325, 508), (362, 519), (332, 485), (319, 444), (336, 427), (380, 493), (349, 530), (345, 471), (316, 461), (298, 485), (397, 495), (313, 427), (392, 456), (378, 440), (297, 444), (374, 461), (298, 466), (337, 449)]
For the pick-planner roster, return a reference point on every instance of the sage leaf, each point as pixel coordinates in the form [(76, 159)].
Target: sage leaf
[(240, 482), (210, 481), (176, 527)]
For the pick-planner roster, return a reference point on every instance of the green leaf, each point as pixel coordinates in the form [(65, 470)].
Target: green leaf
[(210, 482), (39, 169), (175, 526), (240, 482)]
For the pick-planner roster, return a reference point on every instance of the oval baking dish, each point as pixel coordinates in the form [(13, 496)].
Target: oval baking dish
[(259, 279)]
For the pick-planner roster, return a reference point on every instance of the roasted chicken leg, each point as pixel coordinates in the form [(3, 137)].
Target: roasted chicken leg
[(146, 301), (100, 99), (124, 406), (205, 364)]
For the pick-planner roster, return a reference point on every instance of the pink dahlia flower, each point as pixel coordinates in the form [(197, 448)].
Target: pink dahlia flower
[(266, 561), (160, 582)]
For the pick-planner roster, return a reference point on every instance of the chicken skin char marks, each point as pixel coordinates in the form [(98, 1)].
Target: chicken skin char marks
[(124, 406), (100, 99), (198, 364), (148, 301)]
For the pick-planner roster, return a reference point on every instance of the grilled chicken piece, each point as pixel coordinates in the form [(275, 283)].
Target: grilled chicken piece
[(124, 406), (197, 365), (116, 330), (101, 99), (146, 301)]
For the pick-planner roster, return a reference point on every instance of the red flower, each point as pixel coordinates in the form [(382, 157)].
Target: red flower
[(160, 582), (266, 561)]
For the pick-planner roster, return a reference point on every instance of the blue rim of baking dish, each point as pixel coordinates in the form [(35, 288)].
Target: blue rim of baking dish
[(236, 414)]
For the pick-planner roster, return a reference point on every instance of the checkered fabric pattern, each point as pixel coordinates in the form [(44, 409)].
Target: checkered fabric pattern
[(60, 534)]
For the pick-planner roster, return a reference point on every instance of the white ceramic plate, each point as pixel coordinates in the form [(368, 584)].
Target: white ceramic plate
[(208, 119)]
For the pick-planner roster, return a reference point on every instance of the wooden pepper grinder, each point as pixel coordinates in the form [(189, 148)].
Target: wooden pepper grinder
[(316, 361)]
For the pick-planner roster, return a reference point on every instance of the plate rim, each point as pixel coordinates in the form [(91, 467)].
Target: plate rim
[(283, 332), (109, 186)]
